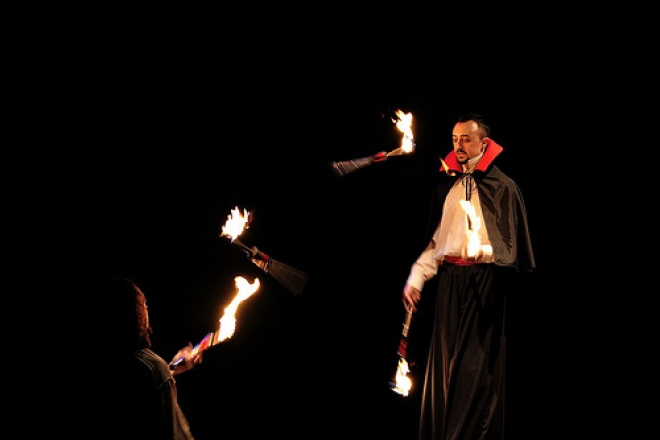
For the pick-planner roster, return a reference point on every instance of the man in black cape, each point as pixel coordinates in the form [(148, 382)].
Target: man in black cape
[(481, 238)]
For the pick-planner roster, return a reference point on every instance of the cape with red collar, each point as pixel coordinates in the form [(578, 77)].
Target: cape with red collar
[(502, 205)]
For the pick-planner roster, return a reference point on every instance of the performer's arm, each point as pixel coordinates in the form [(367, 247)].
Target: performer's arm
[(422, 270)]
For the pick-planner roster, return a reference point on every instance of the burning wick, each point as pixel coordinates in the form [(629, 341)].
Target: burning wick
[(236, 223), (404, 124), (234, 227), (228, 320), (402, 383)]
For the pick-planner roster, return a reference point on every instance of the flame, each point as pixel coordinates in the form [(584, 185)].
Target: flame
[(402, 381), (474, 223), (228, 320), (235, 224), (404, 124), (445, 168)]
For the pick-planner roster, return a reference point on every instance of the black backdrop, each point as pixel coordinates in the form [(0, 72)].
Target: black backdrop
[(147, 127)]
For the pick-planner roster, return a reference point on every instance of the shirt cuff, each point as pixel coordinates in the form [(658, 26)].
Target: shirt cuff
[(416, 280)]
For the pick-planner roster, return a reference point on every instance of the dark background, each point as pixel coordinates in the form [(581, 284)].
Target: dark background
[(146, 127)]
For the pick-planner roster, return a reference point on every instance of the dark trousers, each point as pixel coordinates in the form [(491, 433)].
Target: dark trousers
[(463, 396)]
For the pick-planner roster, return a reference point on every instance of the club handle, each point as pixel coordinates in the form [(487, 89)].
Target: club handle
[(407, 321)]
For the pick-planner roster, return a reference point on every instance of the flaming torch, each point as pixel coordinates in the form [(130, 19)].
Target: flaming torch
[(227, 321), (401, 383), (404, 124), (291, 278)]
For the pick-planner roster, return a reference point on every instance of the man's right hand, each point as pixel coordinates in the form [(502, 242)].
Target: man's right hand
[(185, 360), (411, 296)]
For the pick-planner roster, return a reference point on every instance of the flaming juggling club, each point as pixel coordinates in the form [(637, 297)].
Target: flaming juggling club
[(401, 383), (291, 278), (403, 123), (227, 321)]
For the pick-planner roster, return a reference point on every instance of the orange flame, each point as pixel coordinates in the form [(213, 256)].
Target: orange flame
[(235, 224), (402, 381), (228, 320), (445, 168), (474, 223), (404, 124)]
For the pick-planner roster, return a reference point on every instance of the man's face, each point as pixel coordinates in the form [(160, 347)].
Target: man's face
[(468, 143)]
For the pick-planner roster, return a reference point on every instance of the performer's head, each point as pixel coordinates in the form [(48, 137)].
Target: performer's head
[(124, 318), (470, 137)]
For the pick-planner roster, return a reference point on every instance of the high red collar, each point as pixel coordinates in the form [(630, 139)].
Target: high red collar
[(493, 149)]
